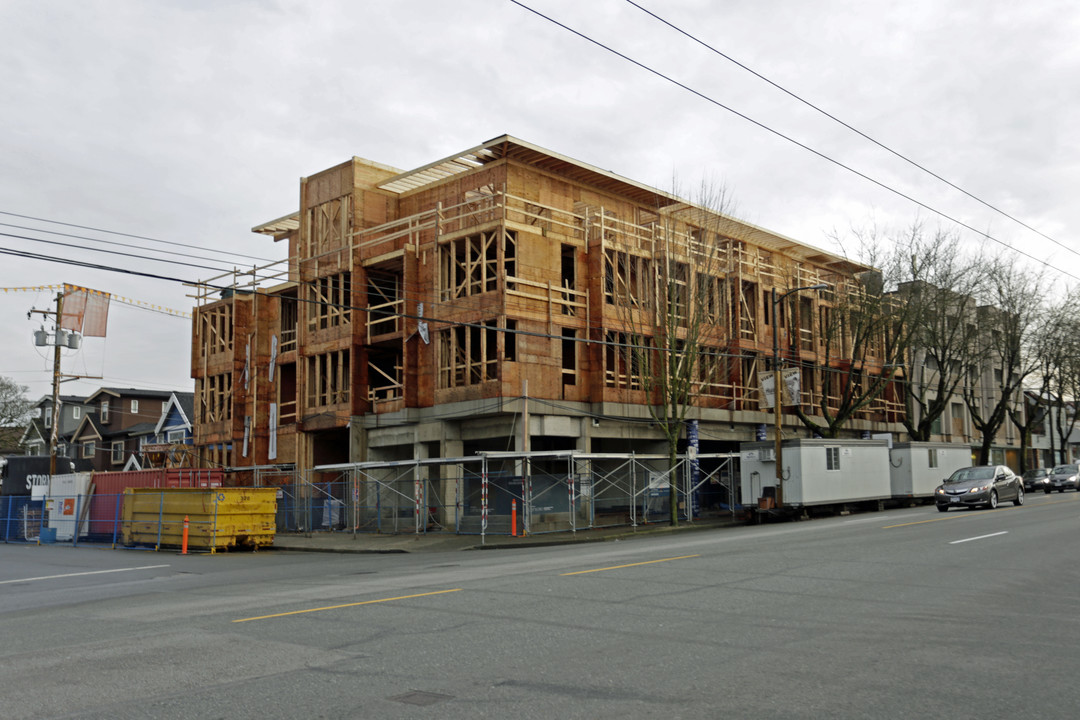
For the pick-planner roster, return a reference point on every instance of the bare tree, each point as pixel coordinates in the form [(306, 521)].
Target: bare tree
[(1001, 360), (940, 286), (673, 305), (14, 405), (1050, 347), (865, 331), (863, 335), (1060, 340)]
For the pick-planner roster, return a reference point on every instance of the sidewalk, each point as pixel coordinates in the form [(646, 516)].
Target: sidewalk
[(346, 542)]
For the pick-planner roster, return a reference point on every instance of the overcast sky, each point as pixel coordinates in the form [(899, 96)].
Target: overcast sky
[(191, 122)]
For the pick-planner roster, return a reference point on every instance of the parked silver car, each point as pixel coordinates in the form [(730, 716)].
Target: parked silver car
[(979, 486), (1063, 476)]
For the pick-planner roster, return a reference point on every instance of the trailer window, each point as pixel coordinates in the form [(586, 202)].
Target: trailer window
[(832, 458)]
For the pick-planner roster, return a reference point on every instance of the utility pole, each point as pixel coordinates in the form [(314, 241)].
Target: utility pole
[(55, 430), (60, 339), (778, 402), (41, 339)]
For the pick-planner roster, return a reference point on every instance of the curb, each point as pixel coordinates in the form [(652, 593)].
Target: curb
[(503, 544)]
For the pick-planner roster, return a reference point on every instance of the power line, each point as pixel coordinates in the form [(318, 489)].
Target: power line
[(88, 265), (792, 140), (108, 252), (855, 130), (136, 237), (107, 242)]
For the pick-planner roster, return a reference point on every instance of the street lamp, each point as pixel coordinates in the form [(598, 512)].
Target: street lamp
[(777, 394)]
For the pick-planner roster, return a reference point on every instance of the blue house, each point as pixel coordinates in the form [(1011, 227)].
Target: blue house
[(168, 443)]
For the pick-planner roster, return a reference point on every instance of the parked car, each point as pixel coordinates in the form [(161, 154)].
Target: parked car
[(982, 485), (1063, 476), (1036, 479)]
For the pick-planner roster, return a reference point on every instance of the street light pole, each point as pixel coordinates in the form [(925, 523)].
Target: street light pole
[(777, 394)]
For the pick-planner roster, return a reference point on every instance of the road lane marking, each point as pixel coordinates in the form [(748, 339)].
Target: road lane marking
[(355, 604), (923, 522), (617, 567), (980, 537), (79, 574), (955, 516)]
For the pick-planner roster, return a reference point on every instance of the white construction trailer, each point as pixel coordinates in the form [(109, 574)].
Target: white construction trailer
[(917, 468), (816, 472)]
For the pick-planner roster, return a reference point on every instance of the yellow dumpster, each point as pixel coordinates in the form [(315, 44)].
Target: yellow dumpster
[(218, 518)]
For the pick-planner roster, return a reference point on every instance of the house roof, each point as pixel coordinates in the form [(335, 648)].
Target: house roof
[(187, 405), (64, 400), (184, 403), (88, 428), (35, 431), (130, 392), (143, 428)]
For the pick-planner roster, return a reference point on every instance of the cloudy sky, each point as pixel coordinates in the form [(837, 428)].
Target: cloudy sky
[(169, 129)]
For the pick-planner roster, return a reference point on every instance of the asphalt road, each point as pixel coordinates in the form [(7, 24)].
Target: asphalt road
[(906, 613)]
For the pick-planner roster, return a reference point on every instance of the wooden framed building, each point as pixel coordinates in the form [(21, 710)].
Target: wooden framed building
[(417, 310)]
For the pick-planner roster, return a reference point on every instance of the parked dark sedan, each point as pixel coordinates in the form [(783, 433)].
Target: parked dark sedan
[(983, 485), (1036, 479), (1063, 476)]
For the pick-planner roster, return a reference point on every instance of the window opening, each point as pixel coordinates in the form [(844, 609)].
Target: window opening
[(569, 356), (510, 341), (330, 299), (328, 378)]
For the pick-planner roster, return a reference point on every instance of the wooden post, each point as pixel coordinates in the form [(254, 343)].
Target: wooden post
[(54, 431)]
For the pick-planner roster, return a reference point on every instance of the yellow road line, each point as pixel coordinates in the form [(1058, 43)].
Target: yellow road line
[(617, 567), (984, 512), (336, 607)]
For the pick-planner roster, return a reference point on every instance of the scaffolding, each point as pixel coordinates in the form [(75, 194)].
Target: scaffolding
[(511, 493)]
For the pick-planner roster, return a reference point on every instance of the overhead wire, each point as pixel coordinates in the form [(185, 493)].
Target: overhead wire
[(107, 242), (170, 243), (797, 143), (853, 129), (107, 252)]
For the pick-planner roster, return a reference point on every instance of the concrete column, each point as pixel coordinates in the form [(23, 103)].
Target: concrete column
[(449, 481)]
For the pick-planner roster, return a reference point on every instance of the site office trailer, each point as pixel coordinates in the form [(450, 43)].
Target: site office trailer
[(817, 472), (917, 468)]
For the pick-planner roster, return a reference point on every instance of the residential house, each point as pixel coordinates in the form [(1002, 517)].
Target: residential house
[(35, 441), (108, 435), (168, 443)]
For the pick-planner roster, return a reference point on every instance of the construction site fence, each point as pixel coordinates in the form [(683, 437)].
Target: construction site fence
[(487, 494), (138, 518), (95, 519)]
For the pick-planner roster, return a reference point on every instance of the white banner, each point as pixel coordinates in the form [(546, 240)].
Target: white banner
[(790, 387)]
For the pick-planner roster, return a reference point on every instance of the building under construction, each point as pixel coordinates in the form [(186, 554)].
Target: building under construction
[(494, 301)]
